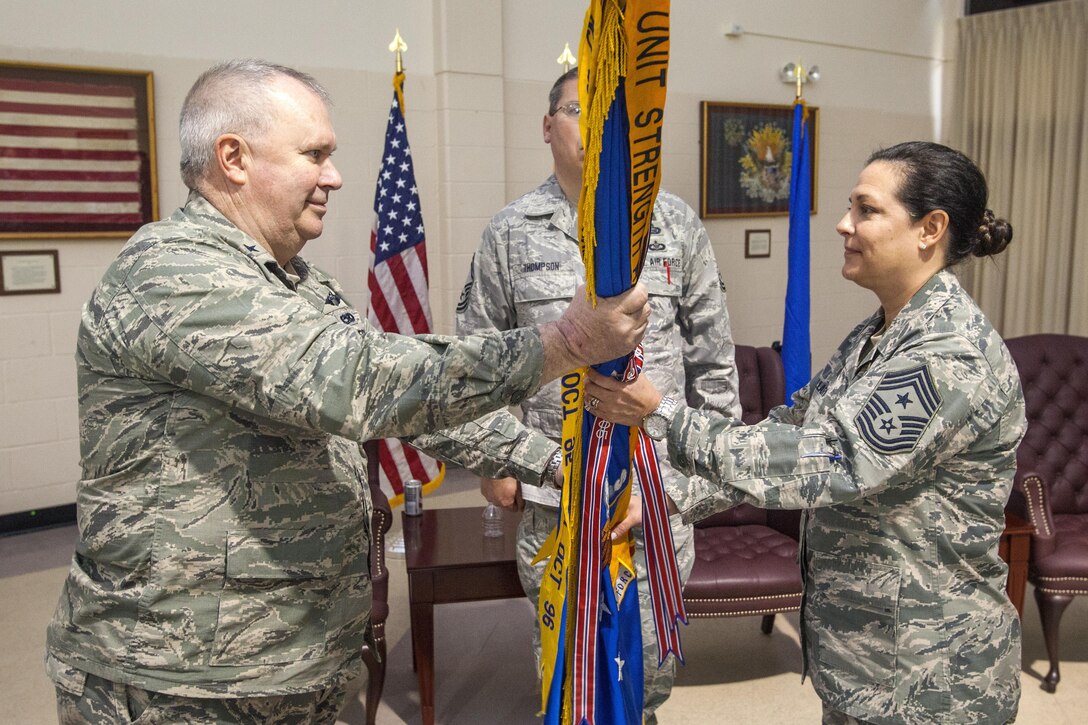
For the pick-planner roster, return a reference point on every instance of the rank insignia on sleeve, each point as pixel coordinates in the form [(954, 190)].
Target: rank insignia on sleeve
[(462, 303), (898, 411)]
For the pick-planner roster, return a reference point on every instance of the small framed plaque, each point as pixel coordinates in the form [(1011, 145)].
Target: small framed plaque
[(29, 273), (757, 243)]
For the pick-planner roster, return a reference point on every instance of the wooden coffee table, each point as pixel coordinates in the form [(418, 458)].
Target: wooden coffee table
[(449, 560)]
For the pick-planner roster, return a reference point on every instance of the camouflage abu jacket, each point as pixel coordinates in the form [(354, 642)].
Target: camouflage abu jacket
[(904, 453), (223, 520), (528, 266)]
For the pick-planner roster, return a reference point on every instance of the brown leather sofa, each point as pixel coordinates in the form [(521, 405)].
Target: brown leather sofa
[(381, 519), (1052, 475), (746, 557)]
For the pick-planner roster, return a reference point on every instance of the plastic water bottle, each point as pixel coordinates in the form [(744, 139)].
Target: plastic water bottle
[(492, 521)]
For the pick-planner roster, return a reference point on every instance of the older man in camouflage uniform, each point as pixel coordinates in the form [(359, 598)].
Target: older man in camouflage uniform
[(902, 451), (224, 386), (525, 272)]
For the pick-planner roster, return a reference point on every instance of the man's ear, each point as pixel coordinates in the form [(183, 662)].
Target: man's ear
[(547, 128), (934, 226), (232, 158)]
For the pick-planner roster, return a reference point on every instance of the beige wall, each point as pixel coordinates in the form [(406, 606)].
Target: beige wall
[(478, 74)]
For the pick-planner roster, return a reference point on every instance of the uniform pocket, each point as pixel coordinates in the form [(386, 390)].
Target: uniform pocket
[(276, 593), (851, 612), (65, 677), (542, 297), (664, 292), (294, 559), (659, 283)]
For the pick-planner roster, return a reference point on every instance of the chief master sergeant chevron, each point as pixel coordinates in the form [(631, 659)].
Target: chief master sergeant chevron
[(224, 385)]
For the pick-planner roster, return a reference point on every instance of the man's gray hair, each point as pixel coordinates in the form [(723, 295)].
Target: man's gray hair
[(231, 97), (557, 89)]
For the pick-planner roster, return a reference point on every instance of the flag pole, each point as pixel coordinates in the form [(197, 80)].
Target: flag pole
[(592, 649), (796, 329), (398, 279)]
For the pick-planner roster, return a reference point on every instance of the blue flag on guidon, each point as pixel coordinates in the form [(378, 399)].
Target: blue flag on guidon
[(796, 342), (591, 632)]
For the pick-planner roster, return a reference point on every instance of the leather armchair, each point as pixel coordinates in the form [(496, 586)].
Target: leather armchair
[(1051, 488), (746, 557), (381, 519)]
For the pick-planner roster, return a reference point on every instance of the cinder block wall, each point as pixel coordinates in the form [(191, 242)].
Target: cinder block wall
[(478, 75)]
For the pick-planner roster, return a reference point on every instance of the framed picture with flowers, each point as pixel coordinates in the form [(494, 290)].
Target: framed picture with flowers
[(746, 159)]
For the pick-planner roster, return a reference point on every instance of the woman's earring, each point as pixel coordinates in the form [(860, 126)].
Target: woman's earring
[(921, 245)]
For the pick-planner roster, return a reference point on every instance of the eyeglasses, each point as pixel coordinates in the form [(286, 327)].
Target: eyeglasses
[(572, 109)]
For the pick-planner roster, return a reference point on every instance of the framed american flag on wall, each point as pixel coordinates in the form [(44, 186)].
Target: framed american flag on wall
[(77, 151)]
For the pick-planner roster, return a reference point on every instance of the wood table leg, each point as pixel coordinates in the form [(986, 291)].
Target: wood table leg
[(1015, 549), (422, 616), (446, 566), (1019, 548)]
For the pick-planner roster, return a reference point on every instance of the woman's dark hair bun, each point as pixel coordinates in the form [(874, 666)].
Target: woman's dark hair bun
[(993, 235), (938, 177)]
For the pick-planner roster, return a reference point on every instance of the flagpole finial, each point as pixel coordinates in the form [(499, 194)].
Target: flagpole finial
[(800, 78), (398, 46), (566, 58)]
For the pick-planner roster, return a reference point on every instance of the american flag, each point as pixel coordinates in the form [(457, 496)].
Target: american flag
[(70, 159), (398, 282)]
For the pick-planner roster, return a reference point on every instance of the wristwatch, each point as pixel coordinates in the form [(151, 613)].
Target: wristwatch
[(656, 424), (550, 478)]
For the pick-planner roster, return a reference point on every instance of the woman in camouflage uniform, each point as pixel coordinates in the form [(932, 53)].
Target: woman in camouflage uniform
[(901, 451)]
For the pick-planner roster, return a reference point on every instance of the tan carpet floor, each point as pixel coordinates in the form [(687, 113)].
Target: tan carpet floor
[(483, 673)]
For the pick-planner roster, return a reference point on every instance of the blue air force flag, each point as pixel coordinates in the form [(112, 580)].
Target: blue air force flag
[(898, 411)]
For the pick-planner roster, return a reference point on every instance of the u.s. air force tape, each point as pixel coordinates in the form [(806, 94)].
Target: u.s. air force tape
[(898, 411)]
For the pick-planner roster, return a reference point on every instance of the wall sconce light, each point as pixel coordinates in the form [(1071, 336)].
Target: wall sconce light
[(796, 74), (792, 71)]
